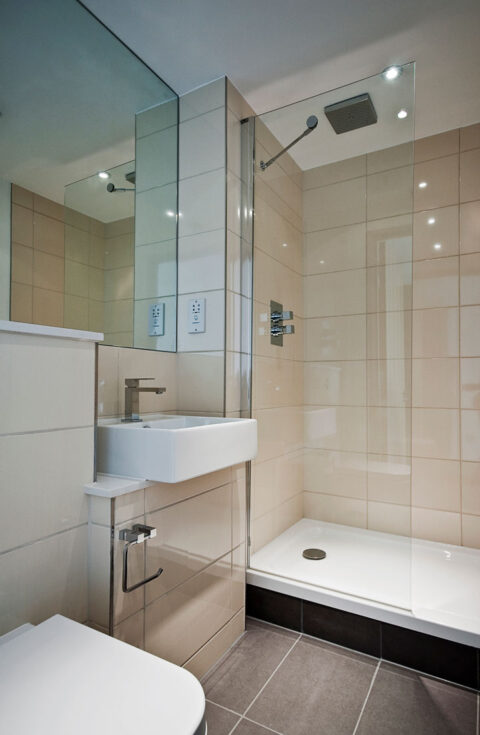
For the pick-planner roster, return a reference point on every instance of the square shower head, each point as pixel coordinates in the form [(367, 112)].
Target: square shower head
[(356, 112)]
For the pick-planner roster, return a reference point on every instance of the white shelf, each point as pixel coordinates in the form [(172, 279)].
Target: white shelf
[(42, 330)]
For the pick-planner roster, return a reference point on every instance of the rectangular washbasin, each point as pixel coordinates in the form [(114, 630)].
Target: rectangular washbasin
[(174, 448)]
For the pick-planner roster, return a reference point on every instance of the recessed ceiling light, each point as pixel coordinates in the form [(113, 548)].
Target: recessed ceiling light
[(169, 213), (422, 185), (402, 114), (322, 262), (431, 220), (103, 175), (438, 246), (285, 245), (392, 72)]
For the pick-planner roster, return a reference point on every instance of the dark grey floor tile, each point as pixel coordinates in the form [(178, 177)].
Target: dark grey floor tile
[(318, 689), (407, 703), (238, 678), (250, 728), (219, 721)]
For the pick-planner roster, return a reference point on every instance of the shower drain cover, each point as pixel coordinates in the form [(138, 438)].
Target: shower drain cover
[(314, 554)]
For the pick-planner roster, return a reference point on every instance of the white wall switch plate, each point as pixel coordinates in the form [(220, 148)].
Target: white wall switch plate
[(156, 319), (196, 316)]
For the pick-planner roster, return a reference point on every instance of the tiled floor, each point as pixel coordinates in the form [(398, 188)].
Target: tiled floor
[(275, 680)]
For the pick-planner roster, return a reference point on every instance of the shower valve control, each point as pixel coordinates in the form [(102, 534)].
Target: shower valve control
[(281, 316), (277, 327)]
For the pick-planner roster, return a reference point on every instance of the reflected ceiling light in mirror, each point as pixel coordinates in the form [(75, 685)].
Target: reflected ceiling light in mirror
[(431, 220), (438, 246), (170, 213), (391, 73), (422, 185), (285, 245), (103, 175), (402, 114)]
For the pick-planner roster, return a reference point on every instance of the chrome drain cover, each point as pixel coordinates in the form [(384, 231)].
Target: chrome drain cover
[(314, 554)]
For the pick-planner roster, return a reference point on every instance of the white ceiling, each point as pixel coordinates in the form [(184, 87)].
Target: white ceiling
[(280, 51)]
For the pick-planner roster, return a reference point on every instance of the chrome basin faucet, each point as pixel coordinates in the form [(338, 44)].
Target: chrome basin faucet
[(132, 391)]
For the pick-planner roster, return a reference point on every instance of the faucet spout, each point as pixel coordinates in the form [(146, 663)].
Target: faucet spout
[(132, 391)]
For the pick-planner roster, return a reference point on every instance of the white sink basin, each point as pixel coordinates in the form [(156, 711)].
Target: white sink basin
[(174, 448)]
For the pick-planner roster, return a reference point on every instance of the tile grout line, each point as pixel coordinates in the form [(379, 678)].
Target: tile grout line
[(366, 698)]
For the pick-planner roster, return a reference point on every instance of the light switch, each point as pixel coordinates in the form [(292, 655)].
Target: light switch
[(196, 316)]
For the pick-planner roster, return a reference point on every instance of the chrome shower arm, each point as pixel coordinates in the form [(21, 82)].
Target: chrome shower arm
[(312, 123)]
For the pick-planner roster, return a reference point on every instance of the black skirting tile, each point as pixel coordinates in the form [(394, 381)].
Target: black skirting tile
[(435, 656), (346, 629), (274, 607)]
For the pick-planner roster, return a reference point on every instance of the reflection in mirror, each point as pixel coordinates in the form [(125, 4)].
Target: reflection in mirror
[(88, 179)]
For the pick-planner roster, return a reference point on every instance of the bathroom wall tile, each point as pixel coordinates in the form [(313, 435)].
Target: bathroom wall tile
[(160, 366), (389, 193), (234, 203), (141, 339), (119, 251), (389, 288), (22, 264), (119, 282), (469, 332), (435, 383), (436, 525), (210, 365), (76, 278), (441, 177), (202, 203), (265, 139), (435, 146), (96, 251), (115, 229), (389, 430), (98, 575), (64, 505), (336, 473), (435, 433), (181, 622), (436, 484), (129, 506), (202, 143), (118, 315), (471, 531), (470, 434), (470, 227), (388, 158), (203, 99), (76, 219), (435, 333), (469, 175), (201, 259), (156, 118), (236, 102), (99, 510), (63, 368), (207, 656), (48, 271), (156, 159), (470, 137), (389, 382), (288, 513), (470, 382), (239, 504), (335, 294), (340, 428), (155, 219), (162, 494), (131, 630), (280, 430), (389, 518), (44, 579), (279, 190), (22, 225), (277, 383), (435, 283), (335, 338), (389, 335), (470, 279), (337, 249), (262, 531), (21, 303), (239, 563), (275, 281), (335, 383), (389, 479), (471, 488), (389, 240), (48, 207), (234, 145), (436, 227), (347, 511), (21, 196), (276, 235), (77, 244), (293, 345), (48, 235), (234, 262), (350, 168), (190, 536), (107, 381), (275, 481), (96, 284), (335, 205), (48, 307)]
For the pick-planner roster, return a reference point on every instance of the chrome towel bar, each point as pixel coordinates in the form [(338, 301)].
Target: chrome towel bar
[(136, 535)]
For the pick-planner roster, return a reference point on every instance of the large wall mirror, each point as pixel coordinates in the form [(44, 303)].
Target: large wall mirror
[(88, 179)]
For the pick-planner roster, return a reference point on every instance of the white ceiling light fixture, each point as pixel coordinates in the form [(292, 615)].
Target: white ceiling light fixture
[(402, 114), (103, 175), (431, 220), (391, 73), (422, 185), (438, 246)]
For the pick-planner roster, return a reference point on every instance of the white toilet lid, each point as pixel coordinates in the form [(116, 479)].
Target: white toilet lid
[(62, 677)]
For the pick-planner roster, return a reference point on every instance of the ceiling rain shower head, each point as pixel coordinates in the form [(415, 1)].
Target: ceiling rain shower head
[(312, 123), (356, 112)]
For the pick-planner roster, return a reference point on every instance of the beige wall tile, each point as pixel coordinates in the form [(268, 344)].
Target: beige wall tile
[(435, 146), (275, 481), (335, 294), (469, 332), (436, 484), (470, 175), (47, 307), (470, 227), (335, 338), (436, 227), (335, 205), (21, 196), (435, 433), (162, 494), (277, 383), (119, 251), (347, 511), (470, 382), (337, 249), (75, 315), (435, 333), (471, 488), (336, 473), (341, 428), (389, 479), (239, 505), (436, 525), (389, 518), (389, 288), (98, 574), (77, 245), (470, 279), (118, 315), (22, 225), (389, 335), (76, 278), (48, 271), (128, 603), (335, 383), (350, 168), (280, 430), (389, 431), (200, 663), (48, 235), (389, 193), (470, 435), (387, 158), (470, 137), (389, 382), (441, 177), (471, 531), (131, 630), (389, 240), (435, 283), (275, 281), (48, 207), (21, 303), (210, 365), (435, 383), (22, 264)]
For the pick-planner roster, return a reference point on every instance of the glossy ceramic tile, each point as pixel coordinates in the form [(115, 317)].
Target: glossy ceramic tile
[(436, 233), (275, 481), (435, 383), (201, 203), (470, 382), (389, 335), (201, 259), (350, 168), (275, 281), (48, 307), (276, 236), (156, 159), (470, 137), (435, 433), (470, 434), (21, 302), (470, 279), (335, 338), (22, 264), (335, 383), (210, 653), (469, 332), (389, 193), (155, 272), (389, 479), (280, 430), (436, 525), (389, 288), (389, 518), (335, 205), (155, 219), (471, 531), (435, 283), (131, 630), (441, 178), (336, 473), (99, 574), (471, 488), (160, 366), (336, 427), (389, 382), (436, 484), (277, 383), (469, 175), (337, 249), (389, 240), (389, 430), (203, 99), (76, 278), (211, 366), (388, 158), (77, 244), (48, 235), (333, 509), (163, 494), (436, 146), (202, 143), (335, 294), (435, 333)]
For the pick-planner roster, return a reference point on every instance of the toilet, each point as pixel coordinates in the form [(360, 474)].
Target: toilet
[(63, 677)]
